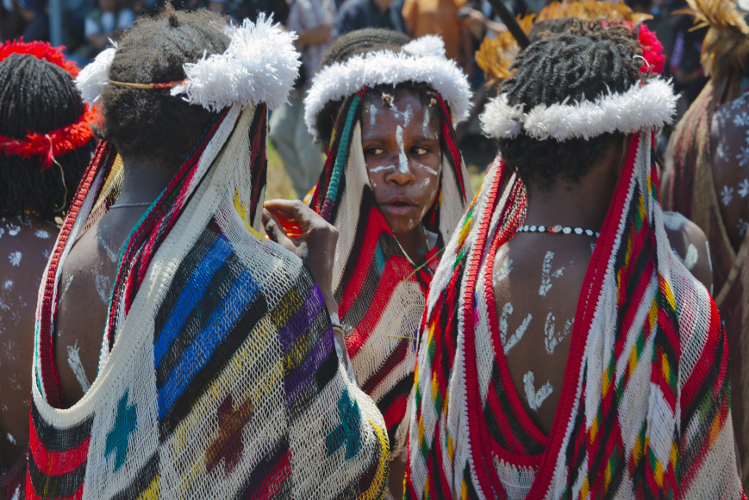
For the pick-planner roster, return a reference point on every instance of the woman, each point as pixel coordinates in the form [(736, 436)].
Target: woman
[(394, 186), (214, 368), (45, 145)]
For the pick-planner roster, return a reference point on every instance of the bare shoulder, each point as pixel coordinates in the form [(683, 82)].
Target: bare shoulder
[(690, 244)]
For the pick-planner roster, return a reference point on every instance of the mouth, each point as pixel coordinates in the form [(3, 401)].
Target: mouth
[(398, 206)]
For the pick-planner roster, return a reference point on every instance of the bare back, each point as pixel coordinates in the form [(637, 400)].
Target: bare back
[(85, 290), (537, 281), (25, 246)]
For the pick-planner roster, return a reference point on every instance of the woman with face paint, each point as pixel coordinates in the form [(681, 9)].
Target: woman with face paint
[(394, 185)]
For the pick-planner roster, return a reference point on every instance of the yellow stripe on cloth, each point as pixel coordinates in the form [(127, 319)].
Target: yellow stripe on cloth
[(242, 211), (240, 367), (374, 492), (153, 491)]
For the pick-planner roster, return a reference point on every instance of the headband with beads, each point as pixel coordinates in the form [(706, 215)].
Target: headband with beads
[(422, 61), (260, 65), (57, 142)]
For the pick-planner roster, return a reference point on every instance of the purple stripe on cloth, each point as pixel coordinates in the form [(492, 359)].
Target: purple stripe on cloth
[(298, 380), (302, 340)]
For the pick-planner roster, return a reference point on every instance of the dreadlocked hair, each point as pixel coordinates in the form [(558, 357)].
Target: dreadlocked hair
[(38, 96), (153, 122), (351, 44), (589, 60)]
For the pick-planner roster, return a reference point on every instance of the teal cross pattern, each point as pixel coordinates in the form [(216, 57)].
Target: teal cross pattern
[(117, 438), (348, 430)]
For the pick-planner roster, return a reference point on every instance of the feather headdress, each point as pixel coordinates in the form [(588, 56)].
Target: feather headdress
[(726, 43)]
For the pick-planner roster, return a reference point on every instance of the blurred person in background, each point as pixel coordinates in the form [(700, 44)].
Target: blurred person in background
[(105, 22), (432, 17), (45, 146), (359, 14), (249, 9), (302, 158)]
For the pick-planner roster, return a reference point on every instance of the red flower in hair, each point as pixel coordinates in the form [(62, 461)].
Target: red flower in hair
[(40, 50), (652, 50)]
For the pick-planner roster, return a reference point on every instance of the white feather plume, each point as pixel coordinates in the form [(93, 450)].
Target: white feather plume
[(339, 80), (427, 45), (501, 120), (641, 107), (260, 65), (95, 75)]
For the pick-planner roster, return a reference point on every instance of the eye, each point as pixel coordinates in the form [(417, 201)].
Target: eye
[(420, 151), (374, 151)]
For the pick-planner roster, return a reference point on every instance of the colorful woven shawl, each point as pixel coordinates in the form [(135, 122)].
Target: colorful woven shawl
[(645, 407), (380, 292), (218, 376)]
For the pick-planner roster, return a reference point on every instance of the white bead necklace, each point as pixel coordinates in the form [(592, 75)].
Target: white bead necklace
[(557, 229)]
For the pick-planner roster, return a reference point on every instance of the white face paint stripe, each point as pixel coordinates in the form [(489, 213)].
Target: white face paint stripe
[(372, 114), (380, 169), (428, 169), (402, 158)]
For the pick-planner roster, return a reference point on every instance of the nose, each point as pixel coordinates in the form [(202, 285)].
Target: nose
[(402, 174)]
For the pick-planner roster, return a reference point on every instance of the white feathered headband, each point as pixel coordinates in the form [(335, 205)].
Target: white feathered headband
[(420, 61), (260, 65), (647, 105)]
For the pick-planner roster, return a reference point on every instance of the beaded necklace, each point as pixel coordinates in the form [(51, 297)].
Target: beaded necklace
[(558, 229)]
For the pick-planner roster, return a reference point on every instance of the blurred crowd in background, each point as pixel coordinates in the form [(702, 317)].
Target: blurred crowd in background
[(88, 25)]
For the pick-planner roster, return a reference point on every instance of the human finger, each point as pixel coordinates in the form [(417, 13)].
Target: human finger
[(292, 210), (275, 230)]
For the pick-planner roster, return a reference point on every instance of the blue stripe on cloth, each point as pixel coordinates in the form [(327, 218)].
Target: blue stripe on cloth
[(240, 296), (379, 259), (191, 294)]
